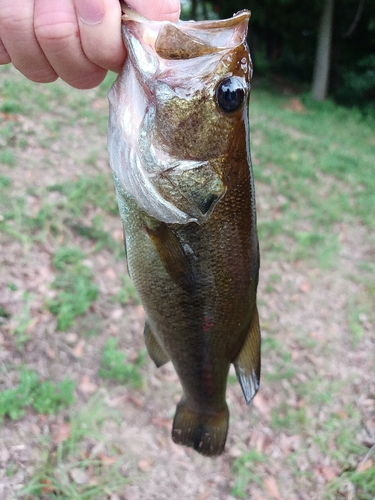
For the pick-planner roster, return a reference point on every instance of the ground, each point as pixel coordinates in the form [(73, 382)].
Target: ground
[(69, 314)]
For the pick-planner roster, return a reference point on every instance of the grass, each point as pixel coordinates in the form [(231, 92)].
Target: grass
[(114, 365), (312, 157), (45, 397), (75, 289), (69, 470), (58, 218), (246, 472)]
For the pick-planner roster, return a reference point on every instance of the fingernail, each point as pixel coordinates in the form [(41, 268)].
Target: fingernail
[(90, 11)]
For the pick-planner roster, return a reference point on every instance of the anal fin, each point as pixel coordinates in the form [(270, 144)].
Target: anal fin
[(156, 352), (247, 363)]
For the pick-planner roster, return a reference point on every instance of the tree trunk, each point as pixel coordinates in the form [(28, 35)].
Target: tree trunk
[(193, 11), (323, 53)]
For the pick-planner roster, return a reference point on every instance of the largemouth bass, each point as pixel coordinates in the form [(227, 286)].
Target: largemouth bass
[(179, 151)]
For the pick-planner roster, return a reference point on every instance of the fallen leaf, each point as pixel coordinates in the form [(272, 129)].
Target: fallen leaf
[(304, 286), (162, 422), (47, 486), (107, 460), (140, 312), (365, 465), (117, 314), (71, 338), (328, 473), (118, 235), (50, 353), (272, 488), (261, 404), (86, 385), (111, 274), (62, 433), (296, 105), (79, 476), (145, 465), (4, 455), (8, 117), (78, 350), (100, 104)]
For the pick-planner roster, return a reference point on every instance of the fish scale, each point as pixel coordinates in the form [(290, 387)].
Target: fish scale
[(186, 197)]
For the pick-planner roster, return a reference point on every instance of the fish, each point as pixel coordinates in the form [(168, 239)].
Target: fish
[(178, 141)]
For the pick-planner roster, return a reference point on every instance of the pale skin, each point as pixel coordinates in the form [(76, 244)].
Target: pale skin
[(75, 40)]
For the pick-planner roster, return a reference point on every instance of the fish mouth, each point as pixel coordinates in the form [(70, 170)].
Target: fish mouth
[(187, 40)]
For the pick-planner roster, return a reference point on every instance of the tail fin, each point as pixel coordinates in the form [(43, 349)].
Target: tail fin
[(206, 433)]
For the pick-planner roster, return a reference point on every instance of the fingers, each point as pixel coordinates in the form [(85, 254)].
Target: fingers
[(100, 31), (4, 56), (77, 40), (19, 41), (56, 29), (161, 10)]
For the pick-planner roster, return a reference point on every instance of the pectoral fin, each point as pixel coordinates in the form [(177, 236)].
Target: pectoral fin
[(156, 352), (172, 255), (247, 363)]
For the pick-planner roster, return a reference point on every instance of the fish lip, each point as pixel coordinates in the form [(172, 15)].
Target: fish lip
[(202, 34)]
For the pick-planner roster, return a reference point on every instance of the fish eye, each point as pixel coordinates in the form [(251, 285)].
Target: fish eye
[(230, 94)]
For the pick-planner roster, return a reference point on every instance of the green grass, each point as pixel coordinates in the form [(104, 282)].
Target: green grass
[(245, 472), (74, 285), (319, 167), (114, 365), (45, 397), (315, 184), (72, 469)]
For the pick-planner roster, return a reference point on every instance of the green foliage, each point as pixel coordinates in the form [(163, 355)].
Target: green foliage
[(7, 157), (75, 288), (96, 190), (358, 83), (127, 292), (245, 472), (115, 366), (58, 473), (44, 397), (361, 483), (22, 321)]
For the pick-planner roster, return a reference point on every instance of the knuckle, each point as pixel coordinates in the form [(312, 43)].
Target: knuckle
[(14, 20), (55, 32)]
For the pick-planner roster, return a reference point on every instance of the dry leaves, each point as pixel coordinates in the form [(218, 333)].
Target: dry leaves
[(272, 487), (62, 433), (87, 385)]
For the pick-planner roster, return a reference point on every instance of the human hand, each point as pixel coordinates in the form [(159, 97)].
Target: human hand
[(76, 40)]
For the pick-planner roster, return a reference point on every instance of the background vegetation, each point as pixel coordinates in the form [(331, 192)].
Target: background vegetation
[(84, 414), (284, 34)]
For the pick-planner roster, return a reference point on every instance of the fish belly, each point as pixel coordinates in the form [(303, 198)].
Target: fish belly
[(198, 287)]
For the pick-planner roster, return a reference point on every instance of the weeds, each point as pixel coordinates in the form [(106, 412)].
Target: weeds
[(245, 472), (44, 397), (75, 288), (73, 470), (115, 366)]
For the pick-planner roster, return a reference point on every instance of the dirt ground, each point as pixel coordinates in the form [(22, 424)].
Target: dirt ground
[(312, 419)]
